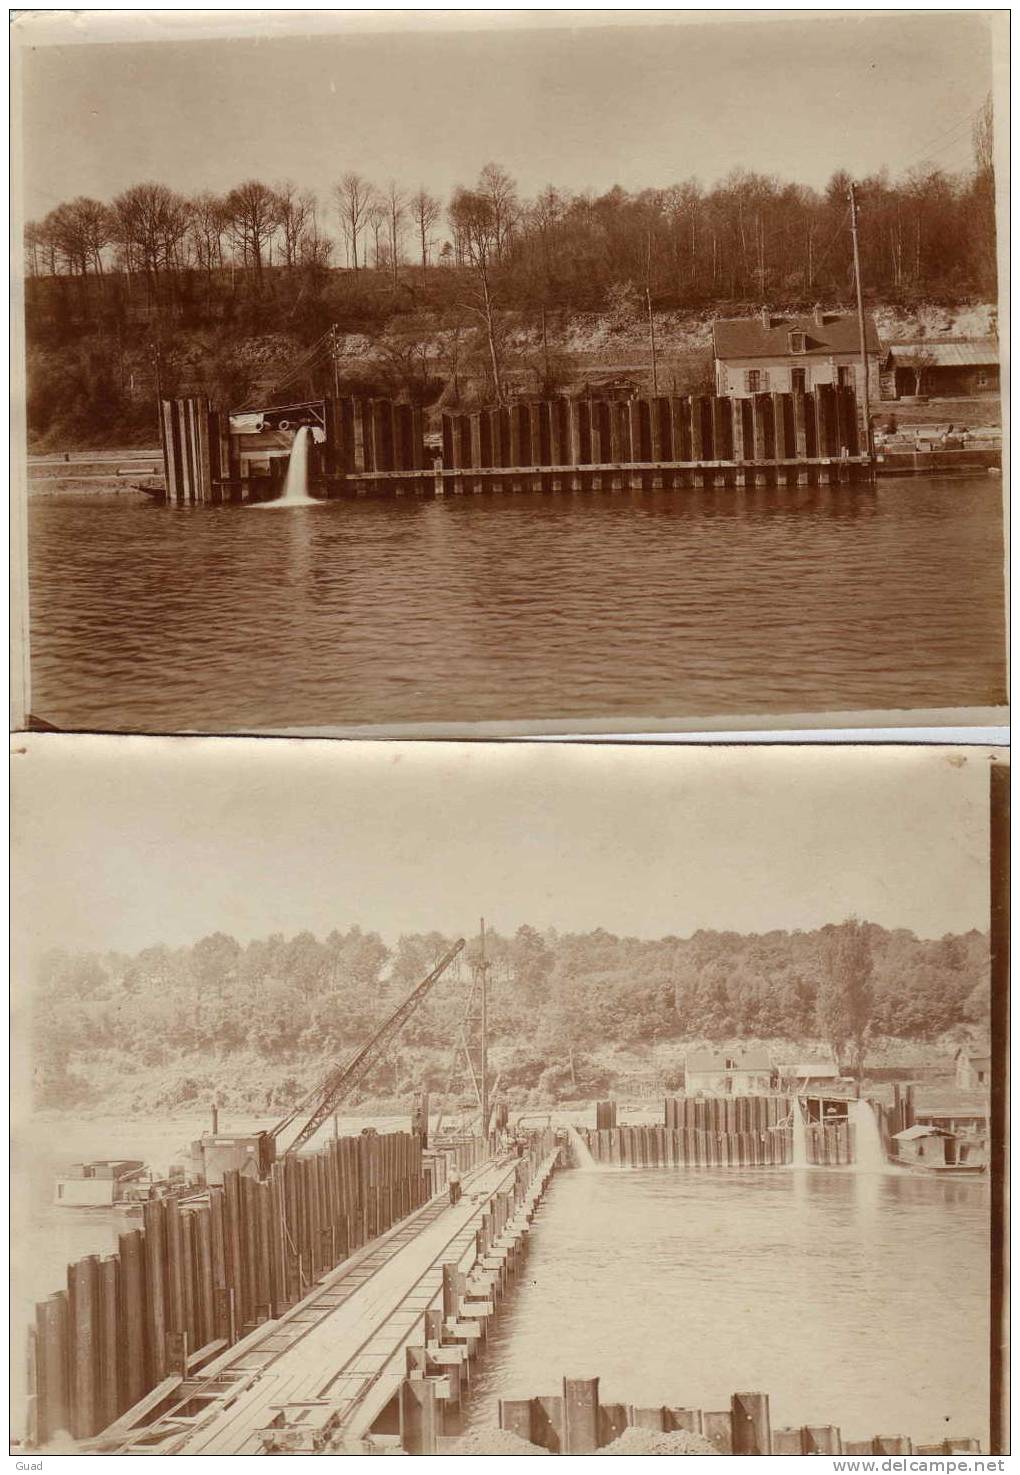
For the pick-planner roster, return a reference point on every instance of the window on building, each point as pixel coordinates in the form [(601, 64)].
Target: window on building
[(752, 380), (845, 376), (797, 343), (798, 381)]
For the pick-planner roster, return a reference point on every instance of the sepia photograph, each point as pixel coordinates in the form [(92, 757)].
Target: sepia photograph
[(605, 370), (507, 1099)]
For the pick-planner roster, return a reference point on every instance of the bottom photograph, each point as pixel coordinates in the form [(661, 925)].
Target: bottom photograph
[(505, 1099)]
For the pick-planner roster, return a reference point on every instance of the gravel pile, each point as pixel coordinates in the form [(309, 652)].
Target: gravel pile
[(635, 1441), (492, 1442)]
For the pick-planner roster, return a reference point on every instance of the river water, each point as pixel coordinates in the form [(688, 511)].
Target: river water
[(516, 608), (858, 1299), (855, 1299)]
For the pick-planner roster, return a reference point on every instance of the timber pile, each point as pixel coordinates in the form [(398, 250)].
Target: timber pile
[(555, 444), (454, 1327), (202, 1273), (576, 1421)]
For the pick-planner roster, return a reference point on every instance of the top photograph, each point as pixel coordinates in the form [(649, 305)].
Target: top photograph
[(508, 373)]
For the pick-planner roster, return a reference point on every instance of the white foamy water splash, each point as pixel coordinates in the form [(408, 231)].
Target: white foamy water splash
[(585, 1161), (869, 1150), (800, 1158), (295, 488)]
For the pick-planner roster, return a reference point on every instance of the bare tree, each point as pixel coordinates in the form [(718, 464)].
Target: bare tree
[(354, 197), (376, 222), (207, 219), (150, 222), (496, 185), (396, 207), (294, 210), (984, 138), (79, 230), (473, 219), (254, 214), (426, 210), (919, 360)]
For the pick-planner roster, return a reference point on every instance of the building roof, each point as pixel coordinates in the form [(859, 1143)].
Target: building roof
[(973, 1058), (824, 333), (978, 352), (913, 1132), (701, 1061), (814, 1070)]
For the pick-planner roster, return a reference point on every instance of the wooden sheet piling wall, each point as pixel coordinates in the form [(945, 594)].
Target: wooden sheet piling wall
[(703, 1147), (672, 441), (538, 445), (198, 1275), (193, 444), (744, 1428)]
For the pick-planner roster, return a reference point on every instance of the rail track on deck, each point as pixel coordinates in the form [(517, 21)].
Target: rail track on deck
[(222, 1409)]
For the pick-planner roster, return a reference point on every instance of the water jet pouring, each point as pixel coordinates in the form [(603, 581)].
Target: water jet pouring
[(295, 488), (869, 1151), (584, 1159), (800, 1158)]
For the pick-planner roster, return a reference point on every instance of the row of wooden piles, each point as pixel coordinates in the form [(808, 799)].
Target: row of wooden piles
[(552, 444), (456, 1326), (677, 432), (200, 1274), (576, 1421), (663, 1147)]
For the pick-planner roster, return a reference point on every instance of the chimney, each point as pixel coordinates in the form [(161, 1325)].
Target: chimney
[(819, 316)]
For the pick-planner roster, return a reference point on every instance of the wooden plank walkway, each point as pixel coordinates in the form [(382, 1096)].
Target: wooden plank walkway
[(344, 1342)]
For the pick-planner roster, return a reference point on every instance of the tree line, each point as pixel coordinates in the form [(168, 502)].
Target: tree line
[(750, 237), (555, 998), (237, 293)]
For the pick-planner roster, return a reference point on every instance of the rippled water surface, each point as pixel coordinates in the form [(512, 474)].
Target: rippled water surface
[(516, 607), (851, 1298)]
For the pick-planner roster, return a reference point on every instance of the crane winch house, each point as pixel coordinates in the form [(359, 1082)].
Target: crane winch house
[(790, 354)]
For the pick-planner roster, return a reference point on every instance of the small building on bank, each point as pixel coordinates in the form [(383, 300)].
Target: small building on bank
[(964, 368), (718, 1074), (973, 1070), (783, 353)]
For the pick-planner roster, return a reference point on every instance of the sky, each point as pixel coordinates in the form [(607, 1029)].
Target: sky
[(123, 842), (584, 100)]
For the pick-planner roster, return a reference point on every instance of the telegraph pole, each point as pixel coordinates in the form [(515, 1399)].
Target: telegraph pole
[(334, 354), (482, 975), (860, 324), (651, 339)]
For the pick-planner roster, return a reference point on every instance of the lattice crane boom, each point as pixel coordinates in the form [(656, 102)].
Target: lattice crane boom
[(341, 1080)]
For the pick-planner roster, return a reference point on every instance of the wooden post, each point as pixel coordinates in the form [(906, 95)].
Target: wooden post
[(717, 1426), (515, 1416), (580, 1415), (83, 1298), (788, 1441), (110, 1400), (820, 1439), (132, 1315), (53, 1413), (420, 1416), (547, 1423), (752, 1433), (155, 1290)]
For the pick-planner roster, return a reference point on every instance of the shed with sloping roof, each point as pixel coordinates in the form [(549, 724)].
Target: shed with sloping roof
[(957, 367)]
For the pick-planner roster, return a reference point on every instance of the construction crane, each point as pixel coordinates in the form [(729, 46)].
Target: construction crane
[(324, 1098)]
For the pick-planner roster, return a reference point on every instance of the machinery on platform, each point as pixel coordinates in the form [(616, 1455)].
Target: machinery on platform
[(254, 1153)]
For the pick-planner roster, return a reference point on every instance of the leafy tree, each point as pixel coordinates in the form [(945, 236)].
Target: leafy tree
[(845, 1002)]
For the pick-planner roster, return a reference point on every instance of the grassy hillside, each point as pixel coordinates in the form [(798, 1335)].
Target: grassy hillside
[(94, 385), (571, 1015)]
